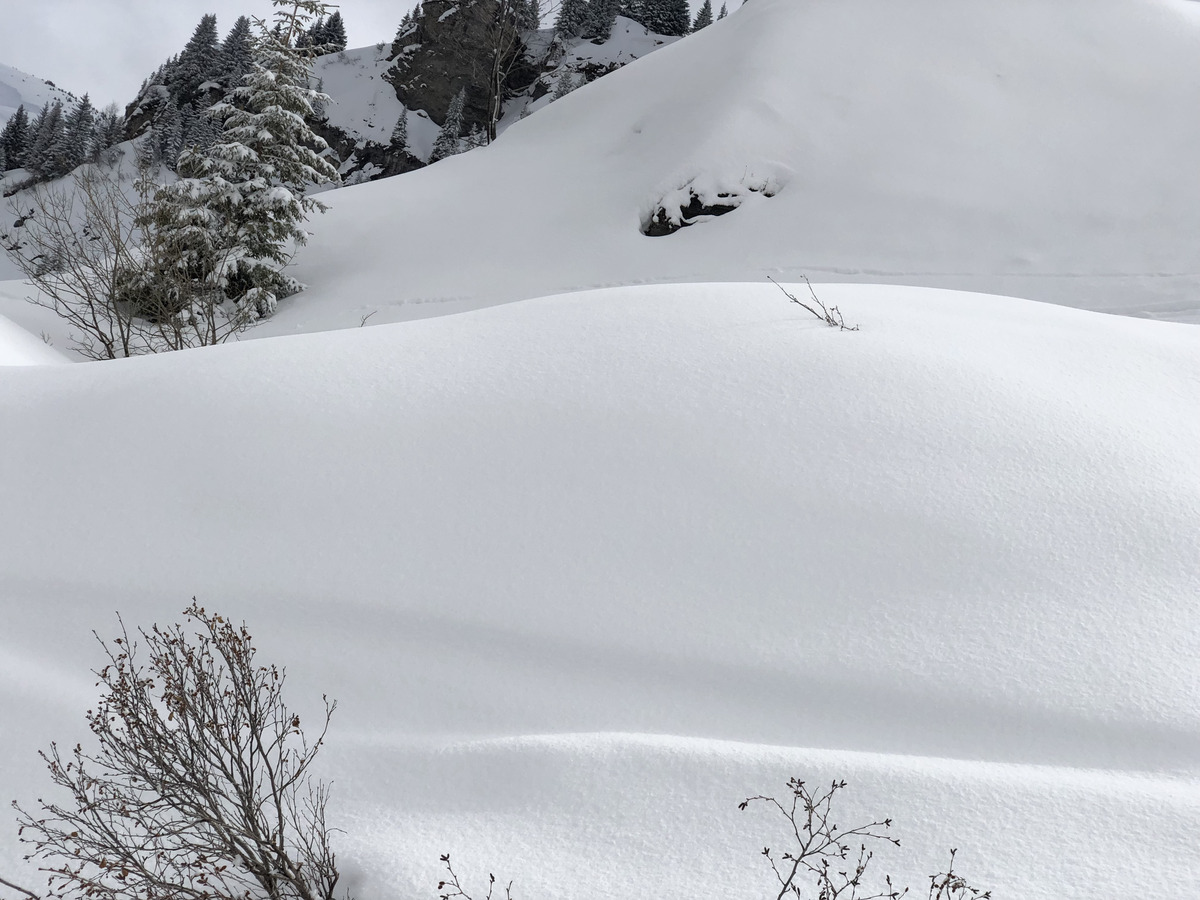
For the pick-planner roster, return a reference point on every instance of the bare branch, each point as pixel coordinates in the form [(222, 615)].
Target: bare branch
[(830, 315), (18, 888)]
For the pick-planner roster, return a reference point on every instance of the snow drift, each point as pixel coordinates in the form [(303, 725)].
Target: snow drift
[(966, 531)]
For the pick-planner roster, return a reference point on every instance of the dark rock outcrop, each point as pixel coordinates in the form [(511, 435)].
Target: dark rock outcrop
[(450, 48)]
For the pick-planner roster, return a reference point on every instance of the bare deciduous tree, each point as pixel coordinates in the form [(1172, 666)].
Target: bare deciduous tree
[(201, 786)]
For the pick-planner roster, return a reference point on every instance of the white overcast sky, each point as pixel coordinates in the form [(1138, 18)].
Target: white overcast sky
[(106, 47)]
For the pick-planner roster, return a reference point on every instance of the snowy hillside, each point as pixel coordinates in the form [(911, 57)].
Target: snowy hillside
[(1043, 150), (16, 88), (366, 109), (584, 571), (950, 556)]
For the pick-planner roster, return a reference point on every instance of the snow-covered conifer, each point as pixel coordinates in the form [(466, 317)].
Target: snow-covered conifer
[(166, 133), (600, 18), (45, 133), (314, 35), (247, 193), (676, 17), (661, 16), (108, 131), (636, 10), (723, 13), (199, 63), (564, 84), (572, 18), (334, 33), (237, 51), (200, 130), (14, 137), (447, 142), (73, 146), (533, 15), (704, 18), (475, 139), (399, 142)]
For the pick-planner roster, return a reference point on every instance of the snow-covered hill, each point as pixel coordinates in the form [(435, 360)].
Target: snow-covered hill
[(17, 88), (965, 532), (586, 570), (1044, 150)]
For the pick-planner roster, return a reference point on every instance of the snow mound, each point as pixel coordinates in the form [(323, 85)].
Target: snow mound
[(964, 532), (1044, 150), (20, 348)]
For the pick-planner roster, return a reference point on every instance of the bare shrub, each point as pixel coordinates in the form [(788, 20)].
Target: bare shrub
[(830, 315), (201, 786), (451, 889), (833, 861)]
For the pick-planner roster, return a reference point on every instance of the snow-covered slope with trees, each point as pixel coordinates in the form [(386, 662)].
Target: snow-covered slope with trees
[(1043, 150), (585, 571)]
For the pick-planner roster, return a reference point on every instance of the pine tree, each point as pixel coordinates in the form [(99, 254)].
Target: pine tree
[(3, 159), (45, 134), (200, 130), (600, 18), (723, 13), (447, 142), (399, 142), (572, 18), (637, 10), (74, 145), (237, 53), (166, 133), (239, 205), (565, 84), (675, 18), (534, 15), (15, 136), (199, 63), (109, 130), (704, 18), (475, 139), (313, 36), (334, 34), (670, 17)]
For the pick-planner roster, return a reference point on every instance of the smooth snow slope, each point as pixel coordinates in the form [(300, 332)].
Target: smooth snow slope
[(19, 347), (966, 532), (1037, 149), (20, 88)]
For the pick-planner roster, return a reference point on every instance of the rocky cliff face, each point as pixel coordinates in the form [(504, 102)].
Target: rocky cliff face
[(450, 48)]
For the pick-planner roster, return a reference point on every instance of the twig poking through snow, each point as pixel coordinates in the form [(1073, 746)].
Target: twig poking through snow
[(830, 315)]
